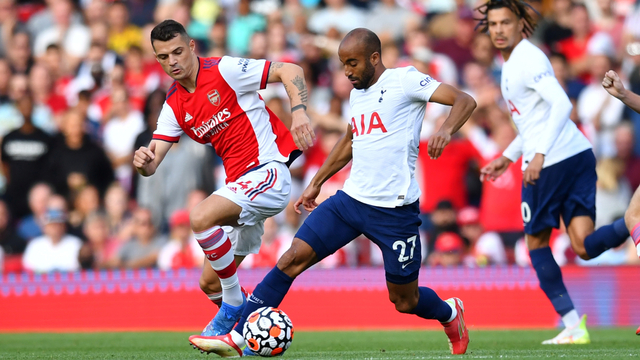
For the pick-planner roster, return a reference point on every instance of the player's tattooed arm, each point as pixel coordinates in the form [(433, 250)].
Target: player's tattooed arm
[(292, 77)]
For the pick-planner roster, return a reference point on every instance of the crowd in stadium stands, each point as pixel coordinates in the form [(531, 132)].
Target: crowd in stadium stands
[(80, 89)]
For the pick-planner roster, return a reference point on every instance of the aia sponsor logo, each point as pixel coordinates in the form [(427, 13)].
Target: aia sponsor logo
[(234, 189), (365, 127), (214, 97)]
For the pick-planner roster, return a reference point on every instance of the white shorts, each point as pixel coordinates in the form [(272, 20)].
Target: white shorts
[(261, 193)]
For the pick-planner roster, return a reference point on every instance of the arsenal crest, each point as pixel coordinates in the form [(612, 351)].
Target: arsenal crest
[(214, 97)]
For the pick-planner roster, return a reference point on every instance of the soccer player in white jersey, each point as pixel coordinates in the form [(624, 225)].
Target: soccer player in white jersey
[(614, 86), (559, 178), (380, 197), (216, 103)]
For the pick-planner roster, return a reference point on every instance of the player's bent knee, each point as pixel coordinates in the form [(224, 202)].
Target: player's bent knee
[(295, 260), (209, 287), (199, 220)]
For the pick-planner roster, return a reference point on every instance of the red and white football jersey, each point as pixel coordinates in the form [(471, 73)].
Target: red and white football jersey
[(226, 112)]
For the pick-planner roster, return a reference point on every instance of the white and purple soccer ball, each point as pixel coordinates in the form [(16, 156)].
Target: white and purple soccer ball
[(268, 332)]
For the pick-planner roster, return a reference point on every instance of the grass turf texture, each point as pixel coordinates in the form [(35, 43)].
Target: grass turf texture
[(606, 343)]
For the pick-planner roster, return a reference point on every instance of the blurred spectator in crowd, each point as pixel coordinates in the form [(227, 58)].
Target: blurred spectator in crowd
[(613, 192), (448, 250), (55, 250), (273, 246), (99, 251), (138, 81), (120, 133), (258, 45), (24, 156), (5, 78), (444, 178), (485, 248), (338, 15), (122, 34), (10, 242), (76, 161), (500, 200), (52, 104), (167, 191), (85, 201), (389, 21), (116, 205), (458, 48), (151, 112), (277, 46), (556, 26), (442, 219), (8, 22), (182, 250), (20, 53), (45, 18), (624, 140), (599, 114), (485, 54), (73, 37), (316, 156), (606, 19), (242, 27), (30, 226), (141, 251)]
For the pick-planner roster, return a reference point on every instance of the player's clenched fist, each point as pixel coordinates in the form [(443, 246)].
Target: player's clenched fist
[(143, 159), (613, 85)]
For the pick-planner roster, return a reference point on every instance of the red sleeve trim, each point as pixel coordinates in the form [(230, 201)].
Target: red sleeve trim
[(171, 139), (265, 74)]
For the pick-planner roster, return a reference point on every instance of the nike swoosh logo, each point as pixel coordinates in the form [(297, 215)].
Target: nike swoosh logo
[(405, 265)]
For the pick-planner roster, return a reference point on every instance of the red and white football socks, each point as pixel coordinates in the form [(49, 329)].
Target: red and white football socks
[(217, 248)]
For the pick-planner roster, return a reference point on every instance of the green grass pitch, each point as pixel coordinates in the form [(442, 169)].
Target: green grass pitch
[(517, 344)]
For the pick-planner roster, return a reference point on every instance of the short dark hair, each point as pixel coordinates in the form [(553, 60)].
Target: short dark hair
[(167, 30), (369, 41)]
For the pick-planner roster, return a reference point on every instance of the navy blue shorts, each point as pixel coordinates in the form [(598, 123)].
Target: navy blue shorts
[(566, 189), (341, 218)]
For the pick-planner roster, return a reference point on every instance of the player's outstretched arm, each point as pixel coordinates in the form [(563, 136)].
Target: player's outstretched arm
[(147, 159), (292, 77), (614, 86), (337, 159), (462, 106)]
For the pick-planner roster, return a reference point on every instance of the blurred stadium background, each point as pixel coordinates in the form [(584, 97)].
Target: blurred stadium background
[(85, 243)]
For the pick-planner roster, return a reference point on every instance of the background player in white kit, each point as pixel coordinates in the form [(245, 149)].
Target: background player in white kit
[(215, 102), (559, 166), (380, 197)]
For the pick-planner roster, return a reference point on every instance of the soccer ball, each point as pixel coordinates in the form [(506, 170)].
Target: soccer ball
[(268, 332)]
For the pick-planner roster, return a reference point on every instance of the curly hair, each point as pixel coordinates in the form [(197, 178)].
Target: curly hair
[(518, 7)]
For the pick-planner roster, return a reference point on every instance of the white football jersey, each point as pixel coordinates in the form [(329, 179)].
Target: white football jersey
[(386, 120), (529, 88)]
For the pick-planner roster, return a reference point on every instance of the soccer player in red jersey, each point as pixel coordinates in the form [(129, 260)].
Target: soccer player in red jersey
[(215, 102)]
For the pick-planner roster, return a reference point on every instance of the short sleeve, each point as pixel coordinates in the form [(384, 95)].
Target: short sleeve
[(168, 128), (244, 75), (418, 86)]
